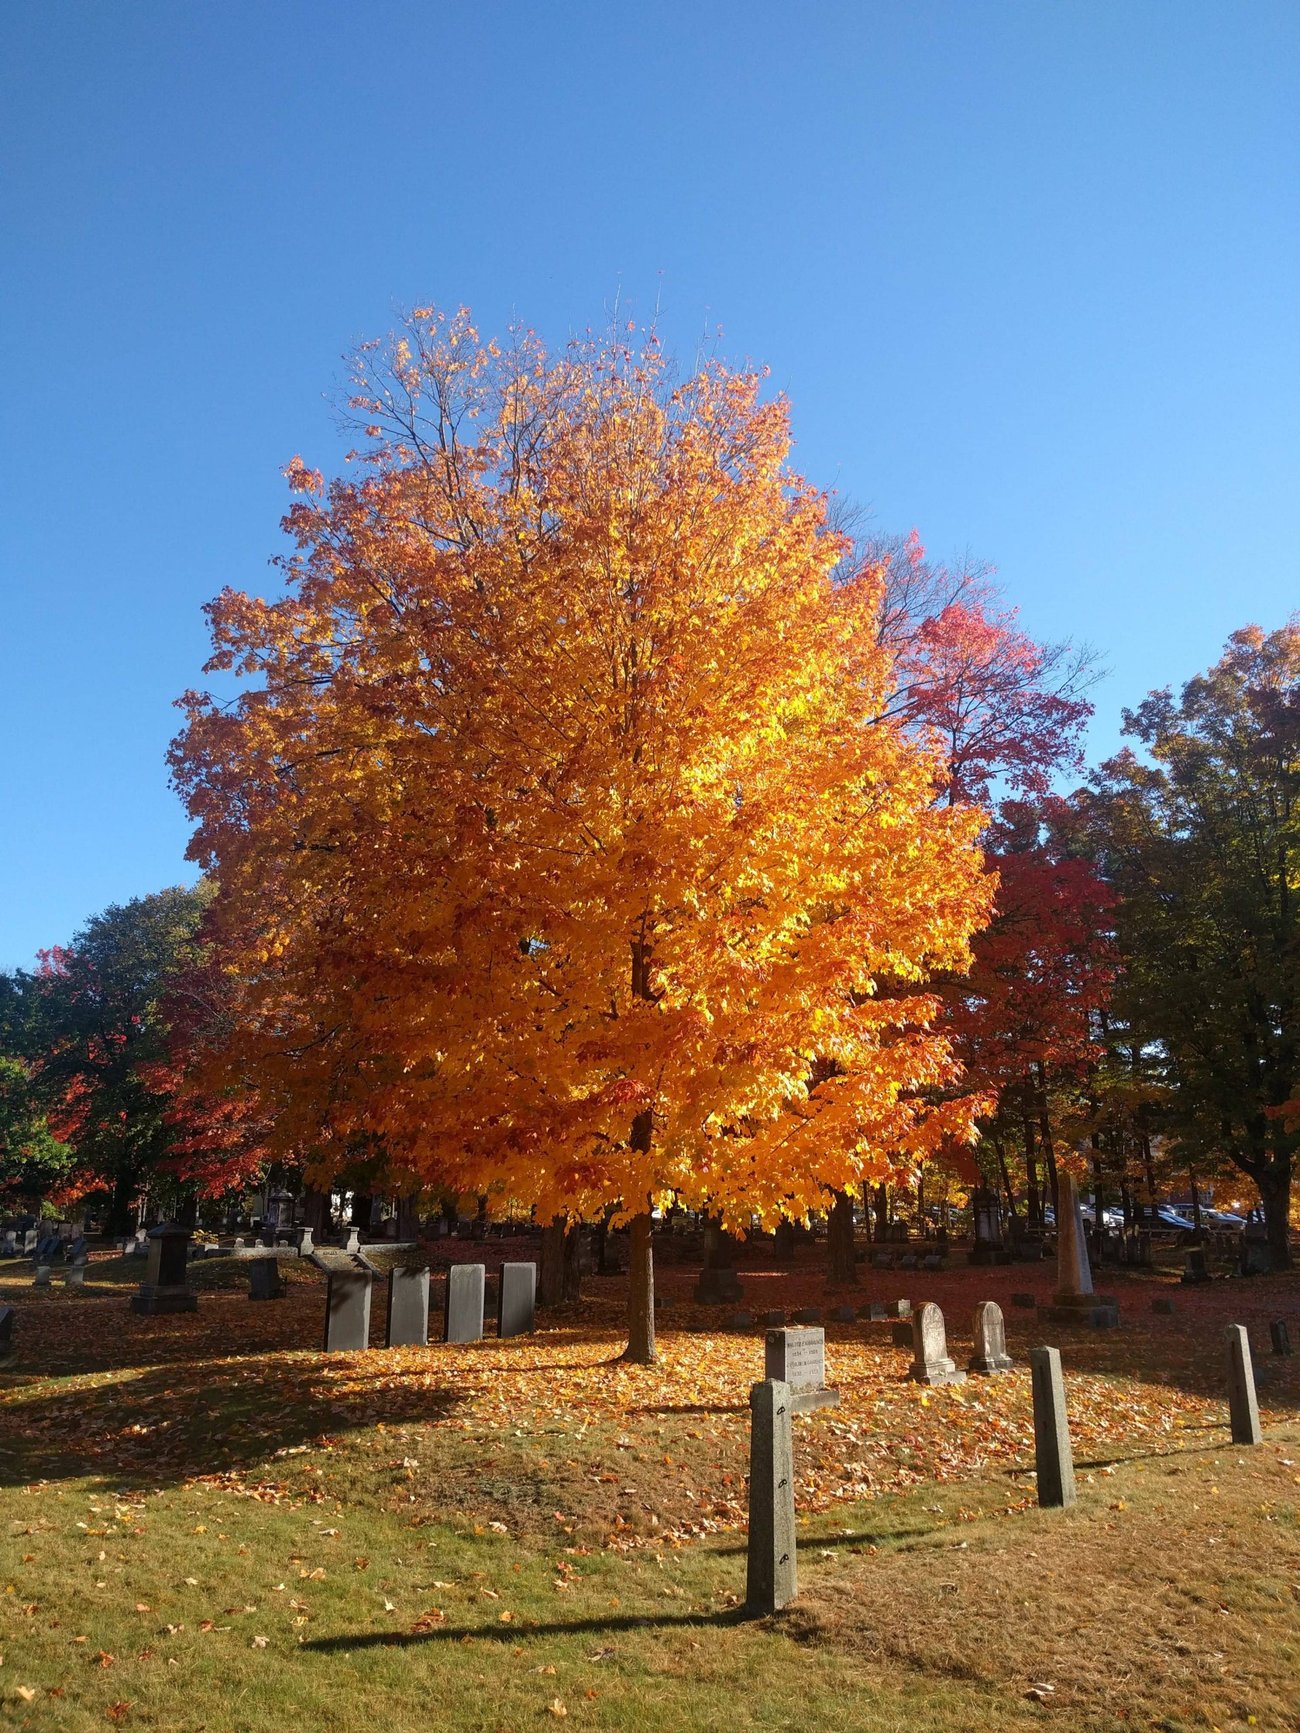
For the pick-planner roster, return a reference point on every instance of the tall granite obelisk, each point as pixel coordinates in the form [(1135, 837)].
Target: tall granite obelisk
[(1074, 1301)]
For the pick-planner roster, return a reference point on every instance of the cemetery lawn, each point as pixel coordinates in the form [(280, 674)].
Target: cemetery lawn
[(209, 1526)]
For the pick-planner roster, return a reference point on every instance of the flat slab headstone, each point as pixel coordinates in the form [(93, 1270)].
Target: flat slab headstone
[(797, 1357), (989, 1333), (771, 1570), (517, 1300), (1280, 1336), (931, 1361), (1053, 1455), (462, 1319), (1243, 1404)]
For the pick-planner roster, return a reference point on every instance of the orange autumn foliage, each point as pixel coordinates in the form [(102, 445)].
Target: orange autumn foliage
[(566, 844)]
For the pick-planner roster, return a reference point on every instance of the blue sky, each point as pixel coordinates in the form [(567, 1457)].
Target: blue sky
[(1028, 273)]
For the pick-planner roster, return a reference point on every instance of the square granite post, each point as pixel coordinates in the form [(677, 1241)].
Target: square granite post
[(1053, 1456), (264, 1279), (164, 1288), (517, 1299), (463, 1311), (1243, 1405), (771, 1571)]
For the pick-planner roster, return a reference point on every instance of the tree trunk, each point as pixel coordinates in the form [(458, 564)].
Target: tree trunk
[(641, 1293), (882, 1212), (550, 1274), (1033, 1207), (1006, 1179), (571, 1264), (316, 1210), (1196, 1201), (1274, 1182), (362, 1202), (119, 1210), (187, 1209), (841, 1263), (1045, 1139)]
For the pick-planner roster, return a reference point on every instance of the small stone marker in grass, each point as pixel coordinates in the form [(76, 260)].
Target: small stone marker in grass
[(931, 1361), (797, 1358), (264, 1279), (990, 1336), (873, 1311), (1053, 1457), (463, 1308), (1243, 1405), (1280, 1335), (517, 1300), (75, 1276), (771, 1572), (41, 1279)]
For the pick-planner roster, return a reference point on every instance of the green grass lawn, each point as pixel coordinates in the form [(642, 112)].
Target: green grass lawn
[(208, 1526)]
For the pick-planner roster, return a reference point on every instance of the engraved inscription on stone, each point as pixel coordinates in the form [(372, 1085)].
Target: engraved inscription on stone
[(797, 1357)]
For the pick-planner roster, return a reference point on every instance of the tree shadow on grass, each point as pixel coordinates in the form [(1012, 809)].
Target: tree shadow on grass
[(515, 1633), (230, 1415)]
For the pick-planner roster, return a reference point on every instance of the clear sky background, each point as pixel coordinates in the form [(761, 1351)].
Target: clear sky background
[(1029, 273)]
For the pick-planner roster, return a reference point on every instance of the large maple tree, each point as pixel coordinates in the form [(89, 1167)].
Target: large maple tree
[(566, 839)]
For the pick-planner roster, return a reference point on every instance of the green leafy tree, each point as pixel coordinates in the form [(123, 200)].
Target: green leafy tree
[(1200, 837), (32, 1160)]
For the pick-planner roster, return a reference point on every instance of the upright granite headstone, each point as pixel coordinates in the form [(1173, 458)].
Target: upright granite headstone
[(1074, 1301), (41, 1278), (797, 1358), (164, 1288), (1195, 1266), (75, 1276), (463, 1311), (406, 1315), (517, 1300), (771, 1572), (264, 1279), (931, 1361), (1280, 1336), (347, 1300), (1053, 1457), (1243, 1405), (990, 1336), (6, 1329)]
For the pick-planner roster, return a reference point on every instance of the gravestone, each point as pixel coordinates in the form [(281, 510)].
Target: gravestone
[(987, 1248), (517, 1300), (1255, 1258), (9, 1243), (1164, 1305), (899, 1309), (30, 1239), (874, 1310), (1053, 1456), (164, 1288), (773, 1320), (771, 1572), (350, 1241), (6, 1329), (347, 1300), (1028, 1301), (901, 1333), (1243, 1405), (463, 1308), (1281, 1336), (264, 1279), (934, 1261), (306, 1244), (990, 1336), (406, 1312), (909, 1261), (1074, 1301), (807, 1315), (41, 1279), (797, 1357), (882, 1260), (739, 1321), (931, 1361), (75, 1276), (1195, 1267), (844, 1315)]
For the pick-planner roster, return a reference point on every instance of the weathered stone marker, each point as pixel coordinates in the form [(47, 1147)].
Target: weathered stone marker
[(41, 1279), (1163, 1304), (797, 1358), (164, 1288), (406, 1314), (899, 1309), (347, 1300), (900, 1333), (931, 1361), (1243, 1405), (1195, 1266), (75, 1276), (1074, 1301), (6, 1329), (264, 1279), (771, 1572), (1280, 1336), (1053, 1456), (990, 1336), (463, 1311), (517, 1300)]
